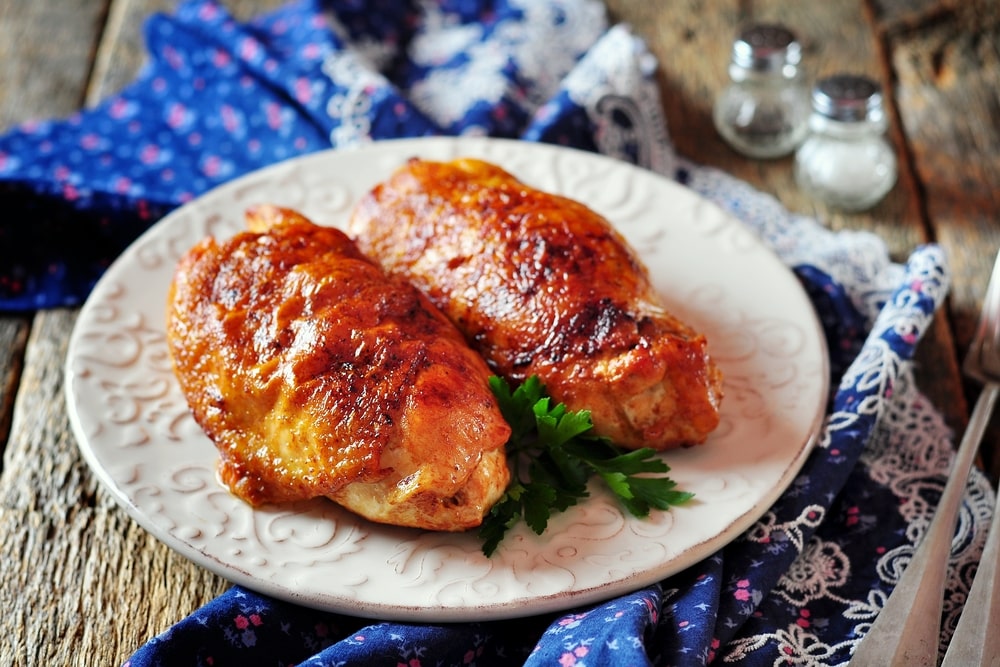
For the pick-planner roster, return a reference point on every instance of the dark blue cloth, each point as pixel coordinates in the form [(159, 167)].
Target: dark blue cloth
[(220, 98)]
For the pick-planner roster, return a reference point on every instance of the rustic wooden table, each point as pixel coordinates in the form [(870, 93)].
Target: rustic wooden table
[(83, 584)]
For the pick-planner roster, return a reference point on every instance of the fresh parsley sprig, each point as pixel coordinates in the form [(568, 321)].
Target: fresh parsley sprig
[(553, 454)]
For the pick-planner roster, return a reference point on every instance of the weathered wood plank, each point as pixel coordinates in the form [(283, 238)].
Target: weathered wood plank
[(950, 69), (72, 601), (123, 559), (43, 469), (13, 338), (46, 47), (947, 68)]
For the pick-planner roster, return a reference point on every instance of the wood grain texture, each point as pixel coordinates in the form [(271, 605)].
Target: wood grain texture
[(950, 68), (83, 584), (946, 65), (46, 48), (13, 338)]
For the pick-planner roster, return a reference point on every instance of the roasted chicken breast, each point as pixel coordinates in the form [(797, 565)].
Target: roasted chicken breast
[(316, 374), (542, 285)]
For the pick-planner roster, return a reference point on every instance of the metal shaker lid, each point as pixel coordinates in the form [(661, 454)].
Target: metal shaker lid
[(766, 47), (848, 98)]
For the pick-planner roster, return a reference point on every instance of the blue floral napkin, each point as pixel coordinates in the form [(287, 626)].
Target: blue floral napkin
[(220, 98)]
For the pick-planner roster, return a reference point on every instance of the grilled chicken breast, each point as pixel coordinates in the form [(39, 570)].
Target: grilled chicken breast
[(542, 285), (316, 374)]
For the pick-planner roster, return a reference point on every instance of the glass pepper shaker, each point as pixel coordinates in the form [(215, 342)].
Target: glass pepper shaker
[(764, 111), (846, 160)]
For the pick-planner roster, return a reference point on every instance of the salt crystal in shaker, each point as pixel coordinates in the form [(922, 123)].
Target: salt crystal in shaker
[(764, 111), (846, 161)]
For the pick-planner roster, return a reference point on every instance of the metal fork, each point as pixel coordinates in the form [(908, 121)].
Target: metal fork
[(907, 631), (977, 638)]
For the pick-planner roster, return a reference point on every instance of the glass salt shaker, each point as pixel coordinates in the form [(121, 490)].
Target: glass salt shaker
[(846, 161), (764, 111)]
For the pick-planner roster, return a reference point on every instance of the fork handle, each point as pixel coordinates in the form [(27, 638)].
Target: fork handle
[(977, 638), (907, 630)]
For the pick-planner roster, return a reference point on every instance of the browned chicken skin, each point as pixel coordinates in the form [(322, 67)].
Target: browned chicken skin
[(315, 374), (542, 285)]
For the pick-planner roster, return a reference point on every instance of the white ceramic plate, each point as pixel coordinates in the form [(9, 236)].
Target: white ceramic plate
[(135, 431)]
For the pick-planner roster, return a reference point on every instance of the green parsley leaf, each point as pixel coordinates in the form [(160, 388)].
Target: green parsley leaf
[(553, 455)]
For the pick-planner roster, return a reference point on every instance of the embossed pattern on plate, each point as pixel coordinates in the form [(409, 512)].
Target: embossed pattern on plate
[(135, 431)]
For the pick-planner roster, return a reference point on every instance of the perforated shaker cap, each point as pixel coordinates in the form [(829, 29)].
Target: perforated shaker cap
[(848, 98), (766, 47)]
